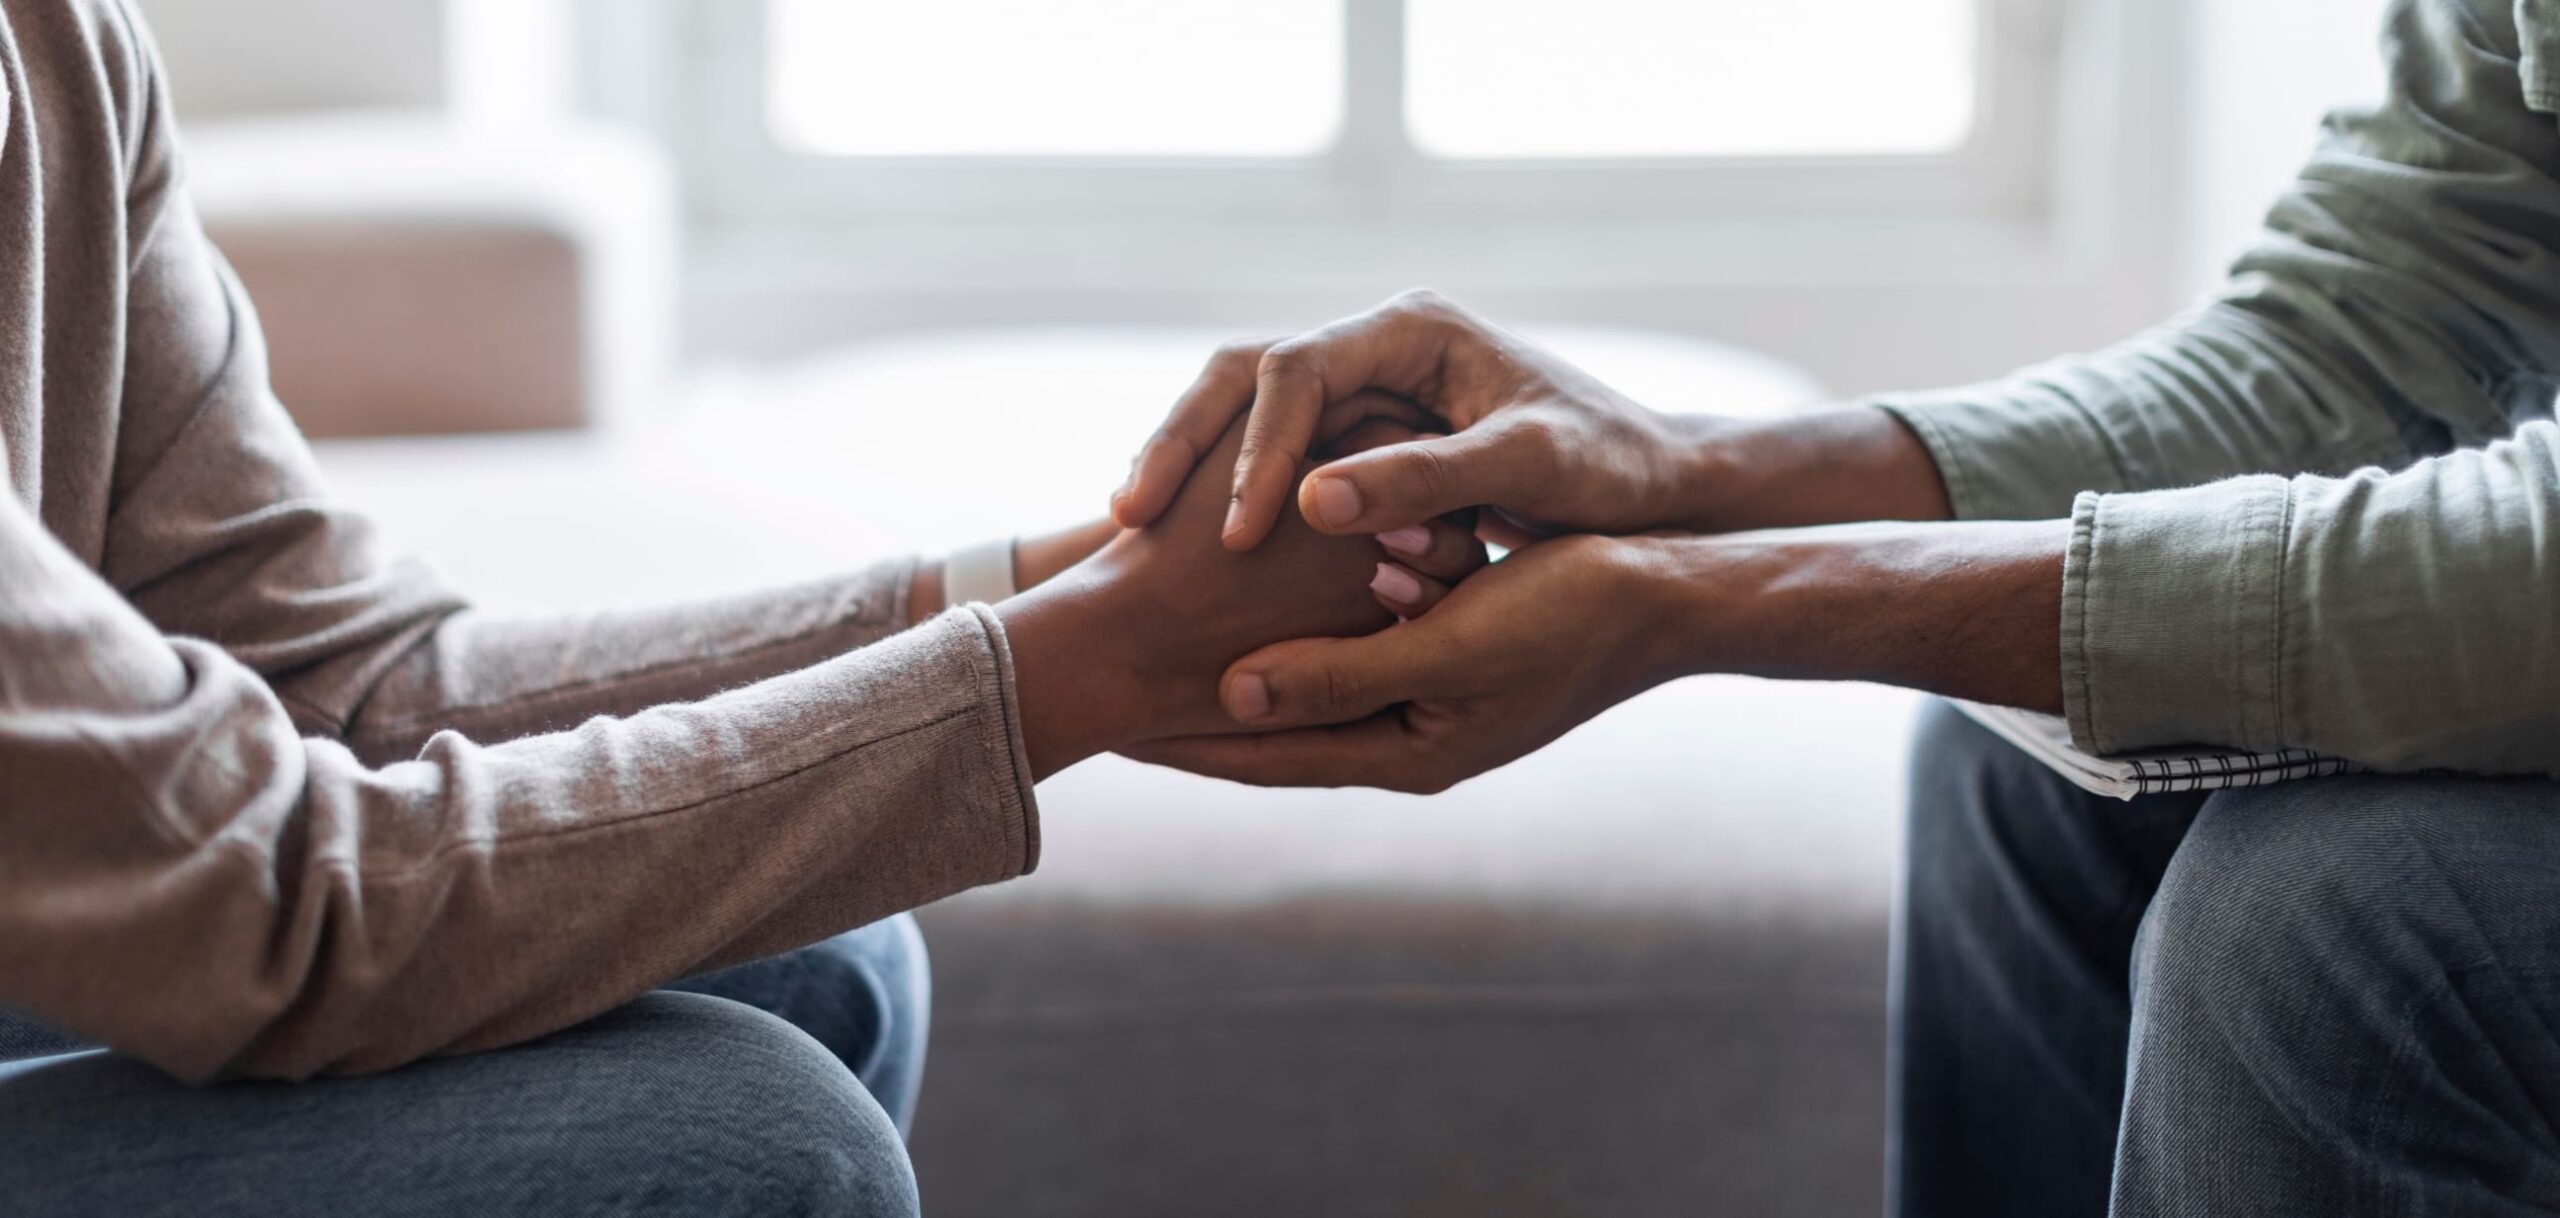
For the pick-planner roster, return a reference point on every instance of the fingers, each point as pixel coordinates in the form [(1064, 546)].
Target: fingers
[(1405, 484), (1379, 751), (1406, 592), (1222, 391), (1311, 681), (1371, 419), (1396, 348), (1441, 549)]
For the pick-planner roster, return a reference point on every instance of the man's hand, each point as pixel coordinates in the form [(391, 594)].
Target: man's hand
[(1515, 656), (1533, 436), (1525, 650)]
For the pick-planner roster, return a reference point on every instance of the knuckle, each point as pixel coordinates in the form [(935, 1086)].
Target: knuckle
[(1422, 302), (1287, 361), (1237, 356), (1431, 473)]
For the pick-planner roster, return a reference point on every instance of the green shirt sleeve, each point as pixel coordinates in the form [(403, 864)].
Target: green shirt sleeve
[(2309, 513)]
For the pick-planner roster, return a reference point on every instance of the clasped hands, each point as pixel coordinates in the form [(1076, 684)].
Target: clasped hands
[(1357, 632)]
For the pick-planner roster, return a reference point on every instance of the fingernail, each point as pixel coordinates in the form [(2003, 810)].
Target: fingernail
[(1337, 502), (1393, 583), (1411, 541), (1249, 697), (1235, 518)]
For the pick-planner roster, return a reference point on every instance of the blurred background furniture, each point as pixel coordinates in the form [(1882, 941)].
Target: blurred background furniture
[(418, 276)]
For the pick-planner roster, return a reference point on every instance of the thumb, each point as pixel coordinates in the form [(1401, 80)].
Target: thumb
[(1407, 484), (1316, 681)]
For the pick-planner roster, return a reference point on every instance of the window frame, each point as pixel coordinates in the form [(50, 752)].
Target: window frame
[(740, 177)]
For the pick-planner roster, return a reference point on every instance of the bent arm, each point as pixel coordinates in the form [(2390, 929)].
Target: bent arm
[(193, 882), (2403, 300)]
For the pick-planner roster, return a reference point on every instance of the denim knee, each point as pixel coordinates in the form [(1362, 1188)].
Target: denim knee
[(748, 1115), (2325, 903), (2268, 881)]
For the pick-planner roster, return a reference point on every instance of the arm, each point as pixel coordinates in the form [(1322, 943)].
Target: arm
[(192, 871), (498, 678), (2403, 300), (2397, 619), (190, 880)]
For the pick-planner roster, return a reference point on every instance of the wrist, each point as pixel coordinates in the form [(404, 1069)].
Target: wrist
[(1828, 467), (1078, 690), (1970, 610)]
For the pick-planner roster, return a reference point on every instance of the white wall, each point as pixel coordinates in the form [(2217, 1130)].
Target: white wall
[(229, 57), (2262, 73), (497, 61)]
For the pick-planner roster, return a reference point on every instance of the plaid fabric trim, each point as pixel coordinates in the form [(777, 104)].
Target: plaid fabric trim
[(2165, 775)]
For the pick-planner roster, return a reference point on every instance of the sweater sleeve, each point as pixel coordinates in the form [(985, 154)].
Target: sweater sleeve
[(192, 881), (2401, 313)]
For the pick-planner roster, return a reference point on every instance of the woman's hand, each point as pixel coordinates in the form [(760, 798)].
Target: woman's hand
[(1129, 645), (1533, 436)]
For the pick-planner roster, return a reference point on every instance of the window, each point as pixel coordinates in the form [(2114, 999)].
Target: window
[(1326, 109), (1640, 79), (1054, 77), (1482, 79)]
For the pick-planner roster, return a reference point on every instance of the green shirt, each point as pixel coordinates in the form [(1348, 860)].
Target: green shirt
[(2322, 509)]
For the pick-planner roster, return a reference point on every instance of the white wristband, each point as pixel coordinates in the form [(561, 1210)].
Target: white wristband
[(979, 573)]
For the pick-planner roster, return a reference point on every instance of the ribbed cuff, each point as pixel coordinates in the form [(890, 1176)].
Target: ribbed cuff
[(2172, 617)]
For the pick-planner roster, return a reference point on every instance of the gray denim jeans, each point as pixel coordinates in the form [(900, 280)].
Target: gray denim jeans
[(778, 1087), (2338, 997)]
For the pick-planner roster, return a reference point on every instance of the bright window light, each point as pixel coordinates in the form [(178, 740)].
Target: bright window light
[(1520, 79), (923, 78)]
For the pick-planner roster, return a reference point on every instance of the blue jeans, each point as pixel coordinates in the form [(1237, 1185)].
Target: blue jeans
[(2338, 997), (778, 1087)]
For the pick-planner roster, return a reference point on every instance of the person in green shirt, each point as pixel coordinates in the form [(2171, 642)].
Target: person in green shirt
[(2320, 511)]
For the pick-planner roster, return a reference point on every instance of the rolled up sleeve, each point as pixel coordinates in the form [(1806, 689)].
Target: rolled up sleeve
[(2405, 620)]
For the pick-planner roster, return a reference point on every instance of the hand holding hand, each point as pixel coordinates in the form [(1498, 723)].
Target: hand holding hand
[(1129, 645), (1531, 434), (1513, 657)]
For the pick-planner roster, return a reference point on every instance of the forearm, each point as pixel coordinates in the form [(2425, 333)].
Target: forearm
[(1969, 610), (1829, 467), (170, 832), (496, 678)]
